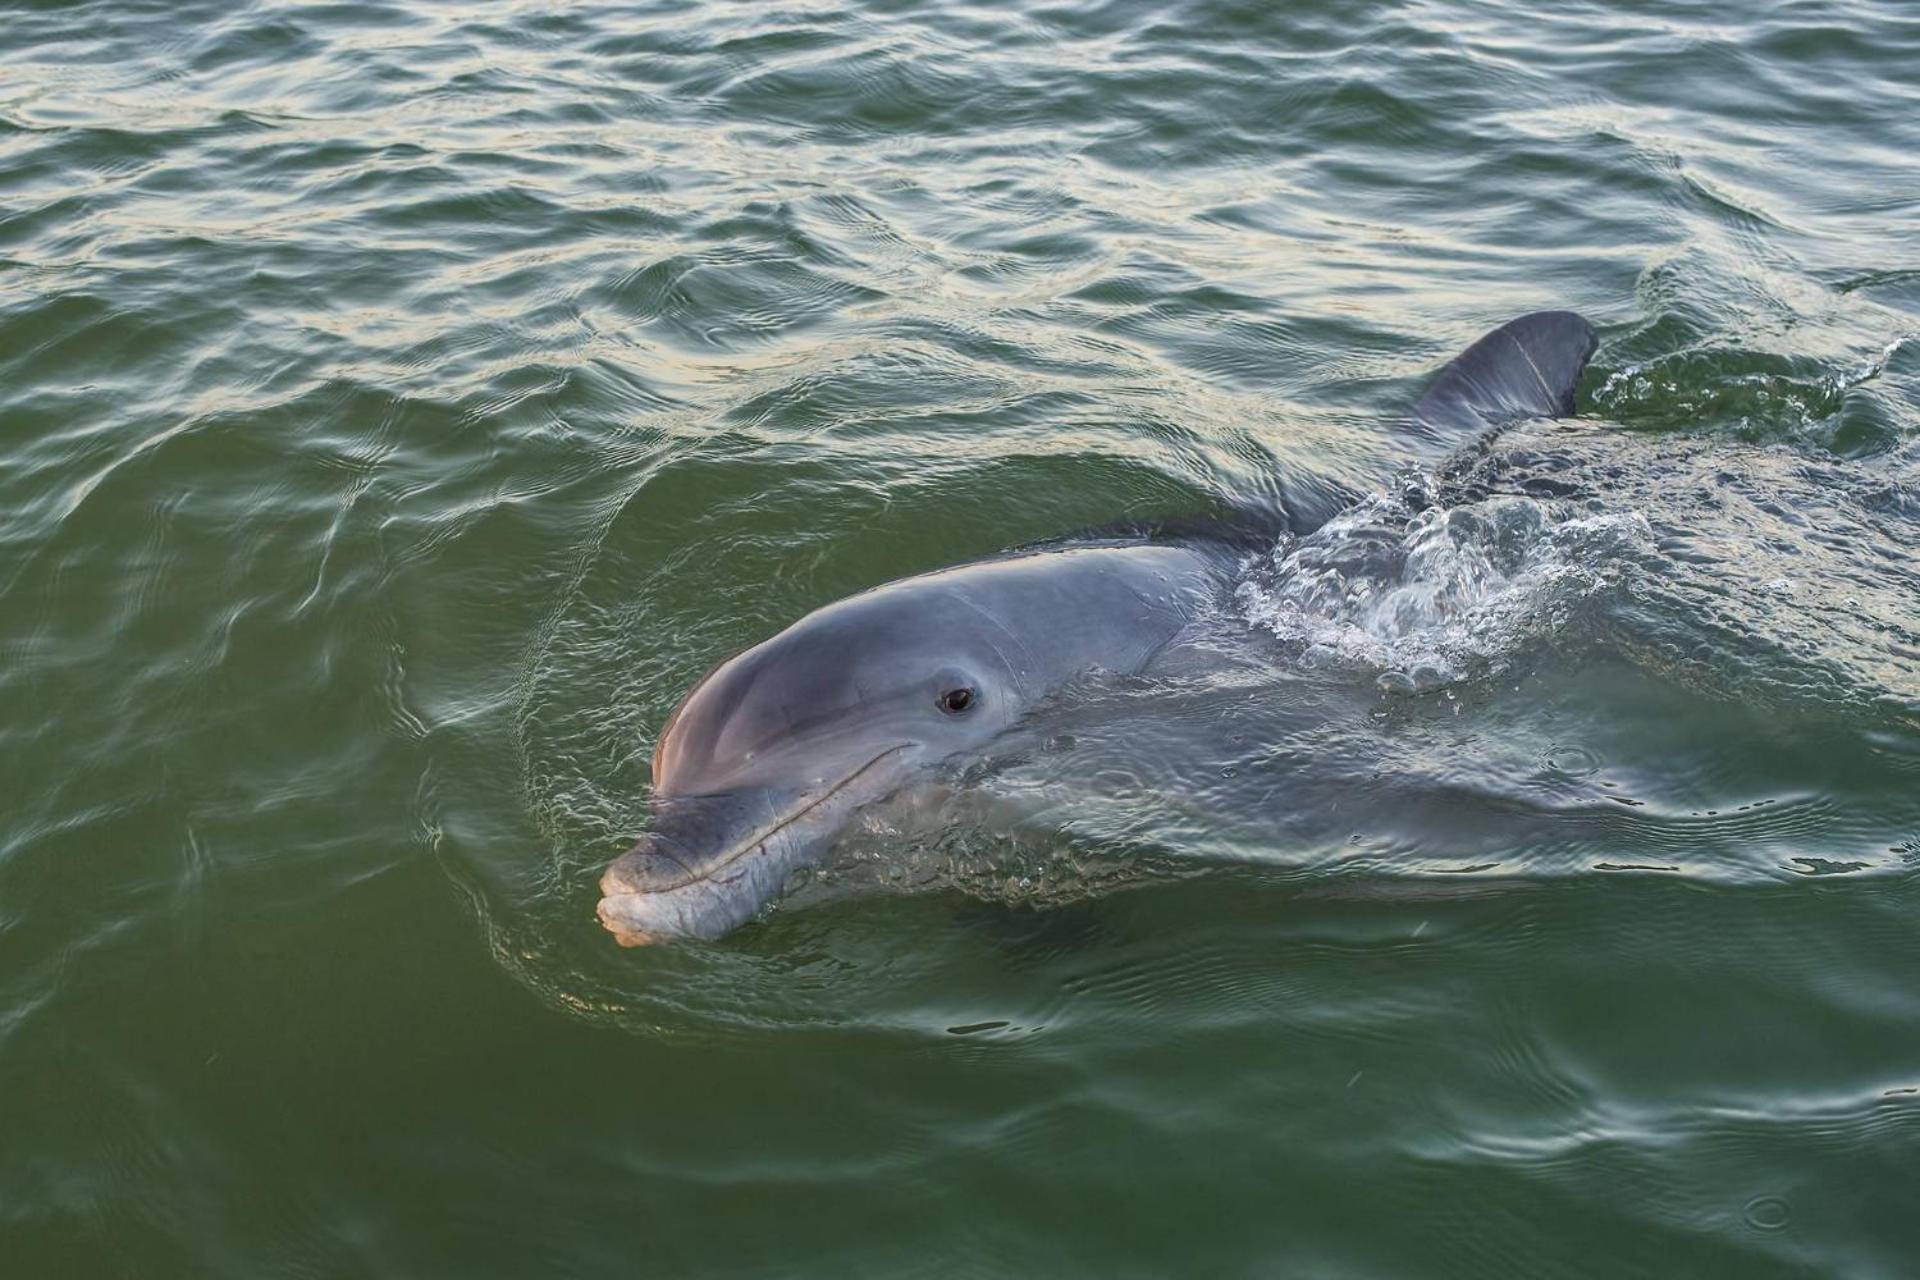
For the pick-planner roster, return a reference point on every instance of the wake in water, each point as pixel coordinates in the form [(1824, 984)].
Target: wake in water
[(1575, 649), (1678, 667), (1774, 575), (1426, 594), (1544, 623)]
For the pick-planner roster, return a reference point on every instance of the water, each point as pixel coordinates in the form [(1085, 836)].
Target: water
[(401, 404)]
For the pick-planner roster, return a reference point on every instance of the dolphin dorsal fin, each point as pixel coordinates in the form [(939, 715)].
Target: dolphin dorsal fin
[(1526, 368)]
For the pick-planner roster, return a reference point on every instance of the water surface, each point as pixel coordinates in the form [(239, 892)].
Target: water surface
[(400, 404)]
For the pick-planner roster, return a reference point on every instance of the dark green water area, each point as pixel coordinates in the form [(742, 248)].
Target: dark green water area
[(402, 404)]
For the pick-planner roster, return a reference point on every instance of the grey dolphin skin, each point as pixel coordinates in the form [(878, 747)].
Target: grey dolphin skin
[(766, 760)]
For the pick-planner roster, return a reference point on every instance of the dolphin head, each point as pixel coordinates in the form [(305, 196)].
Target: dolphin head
[(765, 761)]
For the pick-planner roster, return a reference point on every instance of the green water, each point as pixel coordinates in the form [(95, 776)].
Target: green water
[(400, 404)]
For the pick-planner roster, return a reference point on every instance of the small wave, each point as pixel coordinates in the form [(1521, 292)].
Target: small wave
[(1760, 396), (1425, 594)]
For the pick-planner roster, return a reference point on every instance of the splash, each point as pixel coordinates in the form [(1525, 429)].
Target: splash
[(1424, 594)]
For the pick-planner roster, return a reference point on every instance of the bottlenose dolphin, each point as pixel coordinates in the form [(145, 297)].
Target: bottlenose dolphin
[(765, 761)]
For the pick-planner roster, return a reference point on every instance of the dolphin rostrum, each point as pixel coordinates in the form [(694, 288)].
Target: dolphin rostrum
[(765, 761)]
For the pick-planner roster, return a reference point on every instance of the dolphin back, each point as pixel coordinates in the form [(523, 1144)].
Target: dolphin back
[(1527, 368)]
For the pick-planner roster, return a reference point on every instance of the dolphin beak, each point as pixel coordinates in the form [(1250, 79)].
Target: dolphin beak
[(622, 890), (614, 918), (712, 861), (658, 891)]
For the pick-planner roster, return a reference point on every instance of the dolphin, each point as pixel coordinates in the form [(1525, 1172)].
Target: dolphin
[(767, 759)]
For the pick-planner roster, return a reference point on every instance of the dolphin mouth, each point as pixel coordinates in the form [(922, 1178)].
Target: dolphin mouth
[(645, 918), (662, 889)]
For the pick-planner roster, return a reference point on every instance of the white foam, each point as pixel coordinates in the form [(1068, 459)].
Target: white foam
[(1423, 594)]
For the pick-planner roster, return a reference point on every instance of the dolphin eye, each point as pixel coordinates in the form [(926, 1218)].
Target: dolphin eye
[(957, 701)]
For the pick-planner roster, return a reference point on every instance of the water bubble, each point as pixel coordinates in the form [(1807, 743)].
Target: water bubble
[(1572, 760), (1767, 1213), (1395, 682)]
